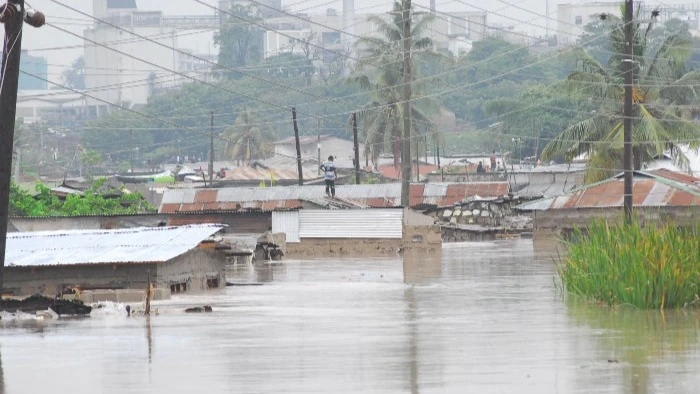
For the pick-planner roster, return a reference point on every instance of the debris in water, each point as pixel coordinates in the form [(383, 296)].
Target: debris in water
[(198, 309)]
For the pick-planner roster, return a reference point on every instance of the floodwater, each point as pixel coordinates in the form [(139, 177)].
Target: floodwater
[(487, 318)]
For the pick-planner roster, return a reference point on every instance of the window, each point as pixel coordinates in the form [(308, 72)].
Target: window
[(579, 20)]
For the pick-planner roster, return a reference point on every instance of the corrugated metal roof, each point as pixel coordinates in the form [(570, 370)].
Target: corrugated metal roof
[(288, 197), (133, 245), (650, 189)]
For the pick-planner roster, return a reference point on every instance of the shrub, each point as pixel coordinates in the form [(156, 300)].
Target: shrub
[(650, 267)]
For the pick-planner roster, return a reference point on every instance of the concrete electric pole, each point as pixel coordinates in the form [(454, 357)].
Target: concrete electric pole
[(406, 156), (628, 69), (12, 14)]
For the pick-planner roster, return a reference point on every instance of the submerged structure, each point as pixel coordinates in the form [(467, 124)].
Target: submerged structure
[(183, 258)]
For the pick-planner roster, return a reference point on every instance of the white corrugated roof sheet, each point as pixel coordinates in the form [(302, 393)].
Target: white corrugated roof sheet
[(132, 245)]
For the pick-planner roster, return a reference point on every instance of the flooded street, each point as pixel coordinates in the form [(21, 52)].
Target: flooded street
[(486, 319)]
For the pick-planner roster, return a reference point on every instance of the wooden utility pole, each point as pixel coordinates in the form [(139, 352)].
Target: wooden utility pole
[(406, 156), (211, 150), (296, 139), (12, 14), (356, 148), (417, 160), (628, 69), (318, 146), (437, 149), (131, 150)]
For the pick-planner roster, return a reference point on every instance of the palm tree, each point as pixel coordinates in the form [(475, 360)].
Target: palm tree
[(663, 91), (246, 140), (383, 58)]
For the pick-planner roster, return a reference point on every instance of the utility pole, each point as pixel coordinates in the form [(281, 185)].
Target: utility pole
[(12, 14), (211, 149), (356, 146), (318, 146), (131, 150), (628, 69), (437, 149), (406, 156), (296, 138), (417, 161)]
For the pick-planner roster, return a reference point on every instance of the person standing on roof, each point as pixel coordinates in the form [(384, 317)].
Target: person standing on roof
[(329, 175)]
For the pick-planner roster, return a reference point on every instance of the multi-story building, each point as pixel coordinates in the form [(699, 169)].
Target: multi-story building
[(35, 65), (571, 18), (126, 68), (334, 30)]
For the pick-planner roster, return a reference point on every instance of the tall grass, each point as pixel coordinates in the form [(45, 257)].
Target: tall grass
[(650, 267)]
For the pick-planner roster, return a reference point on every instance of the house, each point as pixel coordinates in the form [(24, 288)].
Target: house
[(659, 196), (181, 258), (276, 198), (342, 150)]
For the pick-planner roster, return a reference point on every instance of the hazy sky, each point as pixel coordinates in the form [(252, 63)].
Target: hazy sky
[(52, 43)]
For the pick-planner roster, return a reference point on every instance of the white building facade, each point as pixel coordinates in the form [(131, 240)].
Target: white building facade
[(113, 71)]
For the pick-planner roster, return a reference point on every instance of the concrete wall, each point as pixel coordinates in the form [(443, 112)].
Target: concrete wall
[(551, 227), (191, 269), (419, 232), (199, 269), (51, 280), (343, 247)]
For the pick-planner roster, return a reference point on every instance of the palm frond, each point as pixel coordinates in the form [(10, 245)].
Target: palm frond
[(576, 139)]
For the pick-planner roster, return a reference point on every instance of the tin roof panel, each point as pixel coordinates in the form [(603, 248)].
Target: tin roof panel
[(133, 245)]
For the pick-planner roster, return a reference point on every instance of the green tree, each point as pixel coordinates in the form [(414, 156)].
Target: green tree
[(74, 76), (96, 200), (240, 40), (381, 72), (246, 141), (663, 92)]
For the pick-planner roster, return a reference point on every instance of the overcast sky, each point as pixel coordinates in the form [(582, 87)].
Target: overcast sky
[(524, 15)]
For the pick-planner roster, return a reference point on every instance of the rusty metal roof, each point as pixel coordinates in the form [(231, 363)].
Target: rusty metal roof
[(650, 189), (132, 245), (290, 197)]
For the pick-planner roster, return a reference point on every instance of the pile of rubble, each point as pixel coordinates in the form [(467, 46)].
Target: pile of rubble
[(491, 215)]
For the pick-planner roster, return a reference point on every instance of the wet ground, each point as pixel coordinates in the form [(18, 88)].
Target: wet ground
[(486, 319)]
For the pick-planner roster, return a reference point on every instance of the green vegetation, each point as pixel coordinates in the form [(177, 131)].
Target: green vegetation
[(97, 200), (499, 92), (381, 73), (664, 94), (650, 267), (247, 141)]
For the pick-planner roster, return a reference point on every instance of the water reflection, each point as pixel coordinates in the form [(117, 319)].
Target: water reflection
[(149, 339), (411, 313), (2, 375), (421, 266), (641, 341)]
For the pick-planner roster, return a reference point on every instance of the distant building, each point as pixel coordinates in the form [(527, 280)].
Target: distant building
[(286, 31), (572, 17), (659, 196), (135, 81), (60, 108), (176, 258), (339, 148), (36, 65), (264, 8)]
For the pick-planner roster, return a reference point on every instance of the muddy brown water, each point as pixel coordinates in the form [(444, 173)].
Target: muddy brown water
[(486, 318)]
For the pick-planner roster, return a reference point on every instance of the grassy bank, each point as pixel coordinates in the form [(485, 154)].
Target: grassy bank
[(651, 267)]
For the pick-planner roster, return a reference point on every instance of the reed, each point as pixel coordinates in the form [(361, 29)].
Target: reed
[(648, 267)]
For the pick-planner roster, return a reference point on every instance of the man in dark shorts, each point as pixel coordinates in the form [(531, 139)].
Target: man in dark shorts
[(329, 176)]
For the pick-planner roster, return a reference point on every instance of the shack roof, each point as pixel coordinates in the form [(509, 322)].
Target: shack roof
[(650, 189), (132, 245), (291, 197)]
